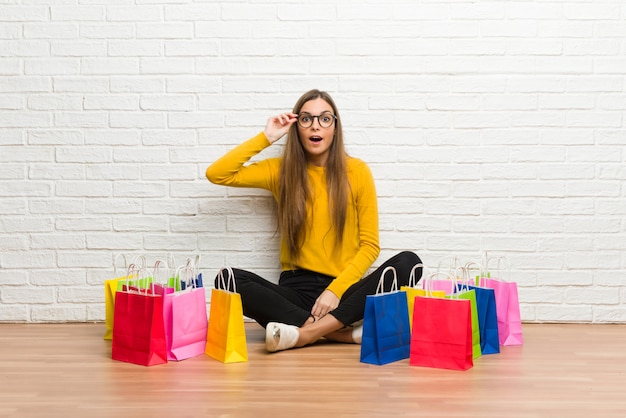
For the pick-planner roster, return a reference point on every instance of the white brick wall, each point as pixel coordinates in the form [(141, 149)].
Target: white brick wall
[(489, 125)]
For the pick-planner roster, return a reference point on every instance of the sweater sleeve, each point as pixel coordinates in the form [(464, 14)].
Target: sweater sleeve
[(367, 223), (229, 170)]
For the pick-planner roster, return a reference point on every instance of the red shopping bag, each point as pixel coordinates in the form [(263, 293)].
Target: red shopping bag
[(138, 334), (442, 333)]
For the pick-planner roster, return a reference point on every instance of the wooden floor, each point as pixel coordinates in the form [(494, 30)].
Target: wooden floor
[(65, 370)]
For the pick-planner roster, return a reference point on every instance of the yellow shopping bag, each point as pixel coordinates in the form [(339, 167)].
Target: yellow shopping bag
[(226, 334), (110, 288), (412, 291)]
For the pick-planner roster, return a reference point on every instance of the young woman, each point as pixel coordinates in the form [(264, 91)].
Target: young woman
[(328, 219)]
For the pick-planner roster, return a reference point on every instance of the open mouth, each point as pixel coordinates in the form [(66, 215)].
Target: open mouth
[(315, 138)]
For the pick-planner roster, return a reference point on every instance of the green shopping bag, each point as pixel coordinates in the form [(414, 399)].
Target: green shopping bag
[(463, 291), (468, 294)]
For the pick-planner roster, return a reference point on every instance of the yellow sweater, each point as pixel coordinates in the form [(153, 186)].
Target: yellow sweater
[(360, 247)]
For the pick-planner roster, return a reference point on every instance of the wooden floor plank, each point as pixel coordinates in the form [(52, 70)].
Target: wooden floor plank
[(65, 370)]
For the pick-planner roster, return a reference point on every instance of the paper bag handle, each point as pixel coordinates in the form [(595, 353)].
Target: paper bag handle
[(447, 276), (188, 277), (412, 282), (427, 282), (156, 271), (195, 265), (470, 266), (115, 263), (141, 258), (221, 281), (454, 263), (381, 282), (138, 273), (462, 278), (506, 264)]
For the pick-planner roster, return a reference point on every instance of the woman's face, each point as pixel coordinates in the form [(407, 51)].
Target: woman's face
[(316, 139)]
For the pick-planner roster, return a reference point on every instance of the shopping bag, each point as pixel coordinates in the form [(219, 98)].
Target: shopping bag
[(485, 306), (195, 281), (507, 305), (136, 283), (464, 292), (166, 292), (444, 278), (442, 333), (487, 319), (226, 334), (386, 334), (185, 319), (110, 288), (138, 332), (412, 291), (189, 323)]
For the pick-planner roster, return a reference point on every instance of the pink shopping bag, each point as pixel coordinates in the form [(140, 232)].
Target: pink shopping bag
[(185, 318), (444, 279), (507, 305)]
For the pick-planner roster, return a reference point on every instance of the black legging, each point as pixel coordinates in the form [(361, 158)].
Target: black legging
[(291, 301)]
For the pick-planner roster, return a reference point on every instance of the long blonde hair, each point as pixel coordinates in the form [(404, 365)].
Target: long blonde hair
[(294, 190)]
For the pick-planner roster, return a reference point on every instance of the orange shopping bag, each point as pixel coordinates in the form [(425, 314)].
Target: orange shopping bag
[(226, 334)]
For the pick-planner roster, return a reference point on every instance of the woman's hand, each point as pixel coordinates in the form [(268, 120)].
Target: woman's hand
[(325, 303), (278, 126)]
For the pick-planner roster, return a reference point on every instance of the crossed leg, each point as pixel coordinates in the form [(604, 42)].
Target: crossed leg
[(335, 326)]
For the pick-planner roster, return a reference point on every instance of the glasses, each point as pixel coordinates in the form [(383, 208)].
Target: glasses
[(325, 120)]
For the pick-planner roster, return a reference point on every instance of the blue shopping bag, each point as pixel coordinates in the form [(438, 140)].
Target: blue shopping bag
[(487, 319), (386, 331), (486, 309)]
